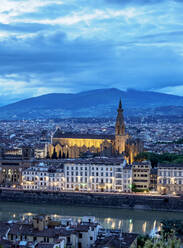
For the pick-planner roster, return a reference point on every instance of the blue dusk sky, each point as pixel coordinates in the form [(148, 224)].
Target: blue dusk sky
[(76, 45)]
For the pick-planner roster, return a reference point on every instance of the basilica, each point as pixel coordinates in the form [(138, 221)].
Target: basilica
[(72, 145)]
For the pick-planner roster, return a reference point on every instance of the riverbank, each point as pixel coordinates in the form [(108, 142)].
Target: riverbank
[(124, 201)]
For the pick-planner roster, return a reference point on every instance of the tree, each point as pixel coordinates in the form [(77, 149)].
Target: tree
[(161, 243), (171, 228), (48, 155), (60, 154), (54, 155), (159, 158)]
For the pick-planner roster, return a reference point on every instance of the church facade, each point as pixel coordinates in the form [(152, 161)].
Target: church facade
[(72, 145)]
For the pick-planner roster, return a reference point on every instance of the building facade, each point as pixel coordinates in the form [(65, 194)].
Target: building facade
[(170, 179), (141, 175), (11, 166), (84, 175), (41, 177), (73, 145), (98, 175)]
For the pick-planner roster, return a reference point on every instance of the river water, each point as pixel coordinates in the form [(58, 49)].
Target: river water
[(137, 221)]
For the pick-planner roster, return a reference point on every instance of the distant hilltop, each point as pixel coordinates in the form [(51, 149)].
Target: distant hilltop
[(94, 103)]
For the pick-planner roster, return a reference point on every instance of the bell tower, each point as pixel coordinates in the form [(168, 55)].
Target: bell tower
[(120, 124), (120, 135)]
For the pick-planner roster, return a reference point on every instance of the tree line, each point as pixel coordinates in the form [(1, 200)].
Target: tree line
[(160, 158)]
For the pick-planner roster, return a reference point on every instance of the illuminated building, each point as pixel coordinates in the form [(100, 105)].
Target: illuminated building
[(92, 175), (73, 145), (11, 166), (41, 177), (98, 175), (141, 175), (170, 179)]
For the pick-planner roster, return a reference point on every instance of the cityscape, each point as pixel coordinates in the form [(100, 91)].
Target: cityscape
[(95, 157), (91, 124)]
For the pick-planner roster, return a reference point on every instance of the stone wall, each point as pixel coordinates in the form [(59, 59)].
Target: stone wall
[(96, 199)]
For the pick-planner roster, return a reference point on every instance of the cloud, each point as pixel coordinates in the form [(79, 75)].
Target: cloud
[(63, 46), (134, 2)]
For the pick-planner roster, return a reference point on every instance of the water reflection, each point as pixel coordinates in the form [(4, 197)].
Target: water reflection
[(137, 221)]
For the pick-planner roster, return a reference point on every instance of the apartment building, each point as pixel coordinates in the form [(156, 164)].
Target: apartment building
[(41, 177), (170, 179), (12, 164), (98, 175), (141, 175), (91, 175)]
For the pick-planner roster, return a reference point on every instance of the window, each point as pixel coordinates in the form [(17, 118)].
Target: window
[(80, 235)]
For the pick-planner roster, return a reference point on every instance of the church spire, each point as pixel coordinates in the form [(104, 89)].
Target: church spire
[(120, 124), (120, 104)]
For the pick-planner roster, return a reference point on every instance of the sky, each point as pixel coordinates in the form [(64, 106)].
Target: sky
[(70, 46)]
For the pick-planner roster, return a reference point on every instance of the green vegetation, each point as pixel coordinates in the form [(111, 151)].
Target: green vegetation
[(169, 236), (171, 228), (178, 142), (160, 158), (160, 243)]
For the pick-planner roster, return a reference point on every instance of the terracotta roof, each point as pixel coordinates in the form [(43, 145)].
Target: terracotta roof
[(44, 245), (112, 241), (170, 166), (28, 230)]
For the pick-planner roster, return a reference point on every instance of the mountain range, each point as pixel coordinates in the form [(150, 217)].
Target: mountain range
[(94, 103)]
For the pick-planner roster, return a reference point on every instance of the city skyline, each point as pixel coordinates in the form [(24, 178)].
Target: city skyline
[(62, 46)]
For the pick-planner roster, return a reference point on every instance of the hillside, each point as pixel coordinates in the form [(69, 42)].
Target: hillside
[(94, 103)]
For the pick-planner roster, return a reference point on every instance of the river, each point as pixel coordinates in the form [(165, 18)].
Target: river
[(137, 221)]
